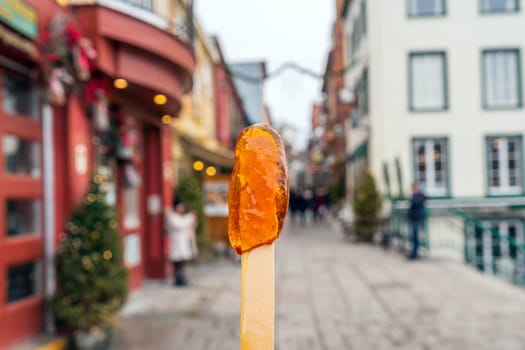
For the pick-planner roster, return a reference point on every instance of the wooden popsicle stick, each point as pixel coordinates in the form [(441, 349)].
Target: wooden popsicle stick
[(257, 298)]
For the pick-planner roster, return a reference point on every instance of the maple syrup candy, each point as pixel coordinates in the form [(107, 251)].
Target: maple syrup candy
[(259, 189)]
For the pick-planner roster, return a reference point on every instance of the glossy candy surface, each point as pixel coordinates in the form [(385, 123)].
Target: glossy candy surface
[(259, 189)]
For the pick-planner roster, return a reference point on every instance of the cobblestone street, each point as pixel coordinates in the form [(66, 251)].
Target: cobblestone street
[(331, 294)]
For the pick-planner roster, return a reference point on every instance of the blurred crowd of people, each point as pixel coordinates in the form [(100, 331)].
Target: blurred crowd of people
[(308, 203)]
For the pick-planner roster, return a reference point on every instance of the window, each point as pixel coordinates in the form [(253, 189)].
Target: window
[(23, 216), (359, 28), (362, 92), (504, 165), (22, 281), (501, 79), (207, 79), (21, 156), (428, 82), (499, 5), (196, 94), (180, 26), (355, 38), (430, 166), (20, 97), (143, 4), (362, 15), (131, 207), (426, 8)]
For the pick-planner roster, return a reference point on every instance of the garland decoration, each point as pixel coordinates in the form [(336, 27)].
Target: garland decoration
[(68, 58)]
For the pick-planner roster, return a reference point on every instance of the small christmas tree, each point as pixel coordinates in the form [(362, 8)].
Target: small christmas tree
[(92, 281), (366, 207)]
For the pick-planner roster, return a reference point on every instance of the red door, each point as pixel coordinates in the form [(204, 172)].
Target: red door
[(130, 199), (157, 171), (21, 209)]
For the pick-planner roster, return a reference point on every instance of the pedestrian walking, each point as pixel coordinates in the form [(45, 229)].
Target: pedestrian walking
[(180, 227), (309, 205), (293, 204), (320, 204), (416, 216)]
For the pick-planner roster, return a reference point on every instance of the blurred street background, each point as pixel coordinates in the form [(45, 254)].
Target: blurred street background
[(402, 123), (333, 295)]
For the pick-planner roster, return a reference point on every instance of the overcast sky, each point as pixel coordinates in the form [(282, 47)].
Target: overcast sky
[(276, 31)]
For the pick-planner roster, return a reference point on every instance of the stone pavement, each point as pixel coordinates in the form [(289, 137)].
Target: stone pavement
[(331, 294)]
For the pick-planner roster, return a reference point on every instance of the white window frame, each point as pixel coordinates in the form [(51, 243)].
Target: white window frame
[(504, 187), (421, 87), (439, 9), (430, 187), (493, 82)]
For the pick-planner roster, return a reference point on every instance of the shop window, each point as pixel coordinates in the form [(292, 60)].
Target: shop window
[(23, 216), (22, 281), (19, 97), (22, 157), (131, 207)]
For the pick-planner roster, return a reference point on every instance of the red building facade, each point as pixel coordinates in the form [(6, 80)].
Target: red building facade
[(330, 118), (103, 106), (229, 110)]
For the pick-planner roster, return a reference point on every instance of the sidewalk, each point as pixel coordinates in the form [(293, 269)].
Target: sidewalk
[(331, 294)]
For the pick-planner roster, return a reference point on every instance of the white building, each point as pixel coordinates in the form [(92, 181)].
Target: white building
[(438, 85)]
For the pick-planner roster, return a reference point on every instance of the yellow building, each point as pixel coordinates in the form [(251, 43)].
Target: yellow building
[(196, 150), (195, 136)]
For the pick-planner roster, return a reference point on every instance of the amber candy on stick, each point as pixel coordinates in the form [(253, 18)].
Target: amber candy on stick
[(259, 189)]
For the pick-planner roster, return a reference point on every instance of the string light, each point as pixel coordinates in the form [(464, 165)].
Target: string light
[(166, 119), (107, 255), (293, 66), (86, 262), (211, 171), (160, 99), (198, 165), (120, 83), (112, 224), (97, 179)]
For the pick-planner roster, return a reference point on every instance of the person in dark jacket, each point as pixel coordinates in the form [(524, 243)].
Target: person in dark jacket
[(416, 216)]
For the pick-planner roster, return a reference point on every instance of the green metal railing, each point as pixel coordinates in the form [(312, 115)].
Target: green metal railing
[(493, 246), (399, 227)]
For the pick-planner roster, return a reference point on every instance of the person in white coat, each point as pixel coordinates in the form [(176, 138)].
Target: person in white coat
[(180, 226)]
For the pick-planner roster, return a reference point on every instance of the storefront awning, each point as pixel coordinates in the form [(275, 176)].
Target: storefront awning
[(218, 156)]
